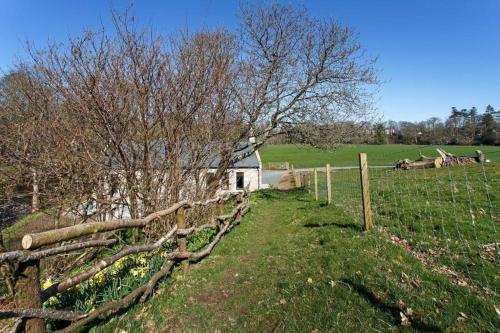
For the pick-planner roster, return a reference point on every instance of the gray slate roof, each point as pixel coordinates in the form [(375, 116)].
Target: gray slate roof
[(249, 162)]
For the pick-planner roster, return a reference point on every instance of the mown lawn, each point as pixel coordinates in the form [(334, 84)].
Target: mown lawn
[(302, 156), (296, 265)]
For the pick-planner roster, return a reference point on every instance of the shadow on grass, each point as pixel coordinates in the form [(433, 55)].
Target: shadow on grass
[(334, 224), (303, 199), (268, 194), (393, 310)]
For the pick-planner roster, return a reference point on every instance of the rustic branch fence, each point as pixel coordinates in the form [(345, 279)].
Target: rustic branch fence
[(29, 297)]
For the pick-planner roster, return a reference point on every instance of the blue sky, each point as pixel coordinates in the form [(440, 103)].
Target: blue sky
[(433, 54)]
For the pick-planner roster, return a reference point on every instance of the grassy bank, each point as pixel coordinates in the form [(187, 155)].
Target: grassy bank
[(295, 265), (302, 156)]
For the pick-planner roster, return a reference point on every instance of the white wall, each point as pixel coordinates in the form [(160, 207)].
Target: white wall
[(251, 179)]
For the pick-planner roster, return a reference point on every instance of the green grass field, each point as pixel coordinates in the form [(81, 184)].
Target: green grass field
[(296, 265), (302, 156)]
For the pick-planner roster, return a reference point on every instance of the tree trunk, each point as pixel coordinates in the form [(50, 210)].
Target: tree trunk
[(28, 293), (35, 200), (6, 270)]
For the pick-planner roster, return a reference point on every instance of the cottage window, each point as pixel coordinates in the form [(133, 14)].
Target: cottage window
[(240, 180)]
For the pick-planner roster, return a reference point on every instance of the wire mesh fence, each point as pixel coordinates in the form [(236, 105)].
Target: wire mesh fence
[(345, 190), (448, 217)]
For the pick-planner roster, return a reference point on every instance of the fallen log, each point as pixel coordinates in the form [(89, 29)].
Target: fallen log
[(424, 164), (444, 159)]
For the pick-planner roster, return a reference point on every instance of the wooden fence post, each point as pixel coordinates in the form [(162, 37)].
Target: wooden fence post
[(221, 208), (220, 211), (239, 200), (27, 286), (328, 185), (294, 176), (180, 217), (308, 182), (365, 191), (298, 182), (316, 194)]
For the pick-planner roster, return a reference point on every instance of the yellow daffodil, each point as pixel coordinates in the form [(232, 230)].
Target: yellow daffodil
[(47, 284)]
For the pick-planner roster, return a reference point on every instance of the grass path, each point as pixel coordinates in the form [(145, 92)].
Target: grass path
[(294, 265)]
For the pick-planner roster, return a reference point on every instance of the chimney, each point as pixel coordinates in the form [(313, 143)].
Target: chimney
[(251, 139)]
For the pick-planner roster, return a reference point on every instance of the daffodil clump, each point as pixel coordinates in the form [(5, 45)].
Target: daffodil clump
[(112, 283), (117, 280)]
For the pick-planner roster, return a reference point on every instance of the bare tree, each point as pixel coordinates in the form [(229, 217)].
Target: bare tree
[(128, 123), (299, 69)]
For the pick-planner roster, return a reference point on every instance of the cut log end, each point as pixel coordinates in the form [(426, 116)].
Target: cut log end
[(26, 242)]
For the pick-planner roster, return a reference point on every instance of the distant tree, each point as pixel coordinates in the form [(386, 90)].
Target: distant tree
[(471, 126), (393, 129), (380, 136), (433, 130), (496, 114), (409, 132), (489, 133)]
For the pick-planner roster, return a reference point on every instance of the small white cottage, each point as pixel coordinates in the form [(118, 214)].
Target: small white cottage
[(244, 174)]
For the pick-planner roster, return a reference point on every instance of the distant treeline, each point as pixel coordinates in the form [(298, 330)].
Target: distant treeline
[(462, 127)]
